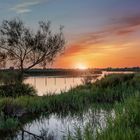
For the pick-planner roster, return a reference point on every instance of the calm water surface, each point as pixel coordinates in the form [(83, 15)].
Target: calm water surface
[(54, 85), (57, 127)]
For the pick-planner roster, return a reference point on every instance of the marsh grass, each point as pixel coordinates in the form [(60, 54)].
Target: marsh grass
[(8, 124), (124, 126)]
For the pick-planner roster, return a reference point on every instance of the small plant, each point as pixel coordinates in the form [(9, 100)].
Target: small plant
[(8, 124)]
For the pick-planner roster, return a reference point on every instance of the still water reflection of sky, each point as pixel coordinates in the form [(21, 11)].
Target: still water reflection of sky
[(47, 85), (54, 85), (57, 126)]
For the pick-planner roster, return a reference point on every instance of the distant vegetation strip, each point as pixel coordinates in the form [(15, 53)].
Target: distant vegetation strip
[(56, 72), (70, 72)]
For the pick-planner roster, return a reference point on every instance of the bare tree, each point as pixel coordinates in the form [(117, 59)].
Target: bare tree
[(25, 48)]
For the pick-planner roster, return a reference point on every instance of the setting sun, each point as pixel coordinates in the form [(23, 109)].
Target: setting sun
[(81, 66)]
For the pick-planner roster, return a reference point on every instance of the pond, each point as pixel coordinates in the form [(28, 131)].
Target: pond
[(54, 85), (58, 126)]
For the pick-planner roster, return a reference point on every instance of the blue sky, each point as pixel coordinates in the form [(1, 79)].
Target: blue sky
[(75, 15), (79, 17)]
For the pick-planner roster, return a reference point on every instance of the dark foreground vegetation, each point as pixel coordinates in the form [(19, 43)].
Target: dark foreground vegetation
[(121, 91), (11, 85)]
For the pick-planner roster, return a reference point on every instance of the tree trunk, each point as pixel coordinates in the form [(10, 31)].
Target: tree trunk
[(21, 72)]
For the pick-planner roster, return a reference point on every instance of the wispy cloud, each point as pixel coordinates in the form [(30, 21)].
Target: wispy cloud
[(124, 25), (25, 7), (111, 33)]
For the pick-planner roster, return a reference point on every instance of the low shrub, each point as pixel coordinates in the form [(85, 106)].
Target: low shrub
[(16, 90), (10, 77)]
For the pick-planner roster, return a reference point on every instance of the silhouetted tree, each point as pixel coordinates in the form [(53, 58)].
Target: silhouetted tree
[(2, 59), (24, 48)]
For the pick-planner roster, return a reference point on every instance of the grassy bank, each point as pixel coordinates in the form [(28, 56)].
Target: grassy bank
[(124, 126), (109, 90)]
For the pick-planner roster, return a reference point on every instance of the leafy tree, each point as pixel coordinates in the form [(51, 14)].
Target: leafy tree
[(24, 48)]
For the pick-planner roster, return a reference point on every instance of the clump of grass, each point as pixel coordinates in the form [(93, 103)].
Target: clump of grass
[(8, 126), (8, 123), (82, 134)]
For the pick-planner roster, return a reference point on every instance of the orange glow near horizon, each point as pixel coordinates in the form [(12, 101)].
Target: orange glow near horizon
[(100, 56), (110, 47)]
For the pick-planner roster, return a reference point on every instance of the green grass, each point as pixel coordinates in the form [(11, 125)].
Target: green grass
[(125, 125), (8, 124)]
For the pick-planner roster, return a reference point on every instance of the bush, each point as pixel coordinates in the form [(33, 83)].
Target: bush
[(16, 90), (10, 77)]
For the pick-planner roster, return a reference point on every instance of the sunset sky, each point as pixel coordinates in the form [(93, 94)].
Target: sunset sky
[(99, 33)]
